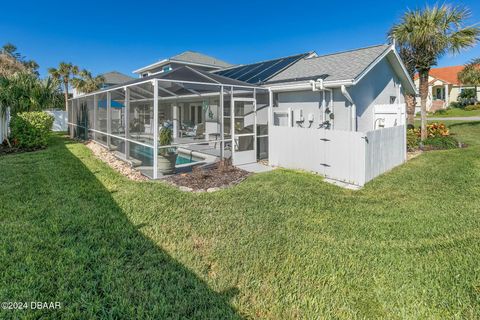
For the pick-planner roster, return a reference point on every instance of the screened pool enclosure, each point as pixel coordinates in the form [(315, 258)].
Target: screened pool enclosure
[(210, 116)]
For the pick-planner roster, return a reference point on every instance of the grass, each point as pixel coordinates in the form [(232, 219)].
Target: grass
[(282, 244), (455, 112)]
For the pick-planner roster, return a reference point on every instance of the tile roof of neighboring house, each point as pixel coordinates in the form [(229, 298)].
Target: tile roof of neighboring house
[(340, 66), (115, 77), (446, 74), (196, 57)]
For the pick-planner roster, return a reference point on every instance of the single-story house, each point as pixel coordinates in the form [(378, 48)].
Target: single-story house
[(443, 87), (341, 115)]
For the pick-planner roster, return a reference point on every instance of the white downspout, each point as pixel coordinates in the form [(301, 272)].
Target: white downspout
[(321, 87), (353, 110)]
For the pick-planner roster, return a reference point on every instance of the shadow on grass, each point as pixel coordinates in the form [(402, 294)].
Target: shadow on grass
[(464, 124), (63, 238)]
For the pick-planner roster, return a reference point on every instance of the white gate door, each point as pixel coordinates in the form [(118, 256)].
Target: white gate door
[(244, 124)]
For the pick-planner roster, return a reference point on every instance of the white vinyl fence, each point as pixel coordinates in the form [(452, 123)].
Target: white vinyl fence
[(4, 118), (60, 122), (351, 157)]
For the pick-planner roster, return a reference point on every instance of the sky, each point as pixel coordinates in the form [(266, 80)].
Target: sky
[(102, 36)]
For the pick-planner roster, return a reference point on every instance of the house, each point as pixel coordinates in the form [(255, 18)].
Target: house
[(340, 115), (443, 87), (192, 59)]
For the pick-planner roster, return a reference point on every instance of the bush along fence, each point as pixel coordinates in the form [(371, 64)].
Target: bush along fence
[(351, 157), (30, 130)]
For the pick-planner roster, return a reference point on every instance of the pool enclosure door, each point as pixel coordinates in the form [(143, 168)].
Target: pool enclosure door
[(243, 122)]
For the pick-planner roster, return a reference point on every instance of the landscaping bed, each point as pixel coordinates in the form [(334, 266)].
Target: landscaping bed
[(212, 178), (118, 165)]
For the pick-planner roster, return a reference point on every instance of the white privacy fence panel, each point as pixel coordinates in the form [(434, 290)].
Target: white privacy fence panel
[(351, 157), (4, 121), (60, 122), (386, 148), (389, 115)]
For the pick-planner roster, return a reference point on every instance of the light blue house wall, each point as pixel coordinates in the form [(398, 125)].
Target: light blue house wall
[(379, 86)]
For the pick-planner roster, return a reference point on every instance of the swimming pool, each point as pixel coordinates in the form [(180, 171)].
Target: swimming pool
[(145, 154)]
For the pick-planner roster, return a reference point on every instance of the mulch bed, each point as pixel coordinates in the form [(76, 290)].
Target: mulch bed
[(212, 178), (5, 149)]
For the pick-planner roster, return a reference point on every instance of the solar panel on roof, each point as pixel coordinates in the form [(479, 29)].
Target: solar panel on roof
[(261, 71)]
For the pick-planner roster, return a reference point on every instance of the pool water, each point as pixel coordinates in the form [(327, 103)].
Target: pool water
[(183, 160), (145, 155)]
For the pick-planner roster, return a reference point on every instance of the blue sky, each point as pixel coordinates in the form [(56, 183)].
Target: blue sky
[(103, 36)]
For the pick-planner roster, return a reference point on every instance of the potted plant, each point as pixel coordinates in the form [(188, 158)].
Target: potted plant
[(167, 157)]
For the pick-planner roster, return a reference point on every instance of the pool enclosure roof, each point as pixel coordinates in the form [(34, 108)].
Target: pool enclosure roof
[(181, 81)]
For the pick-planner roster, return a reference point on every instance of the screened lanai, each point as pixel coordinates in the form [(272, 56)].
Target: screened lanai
[(211, 117)]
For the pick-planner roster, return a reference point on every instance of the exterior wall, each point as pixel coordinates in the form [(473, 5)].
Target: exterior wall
[(379, 86), (311, 103)]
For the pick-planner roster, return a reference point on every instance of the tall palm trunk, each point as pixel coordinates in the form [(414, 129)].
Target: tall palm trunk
[(65, 83), (411, 102), (423, 74)]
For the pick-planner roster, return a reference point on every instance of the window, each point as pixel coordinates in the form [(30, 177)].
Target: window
[(144, 74), (393, 99), (166, 68)]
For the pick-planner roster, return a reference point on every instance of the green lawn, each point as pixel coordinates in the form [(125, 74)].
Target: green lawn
[(280, 245), (456, 112)]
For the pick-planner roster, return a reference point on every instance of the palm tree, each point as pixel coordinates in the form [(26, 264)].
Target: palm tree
[(64, 73), (406, 53), (87, 83), (431, 33), (470, 75)]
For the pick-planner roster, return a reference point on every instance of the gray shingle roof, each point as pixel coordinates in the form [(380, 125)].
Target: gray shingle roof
[(115, 77), (333, 67), (195, 57)]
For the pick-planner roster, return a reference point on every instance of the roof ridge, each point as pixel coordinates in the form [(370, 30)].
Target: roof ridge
[(346, 51)]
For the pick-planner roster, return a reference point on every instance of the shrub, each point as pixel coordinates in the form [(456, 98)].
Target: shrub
[(31, 129), (440, 142), (437, 130), (413, 139), (472, 107), (440, 112), (454, 104)]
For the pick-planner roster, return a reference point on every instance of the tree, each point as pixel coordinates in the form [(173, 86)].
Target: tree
[(10, 50), (406, 53), (86, 83), (64, 74), (470, 75), (431, 33), (24, 92), (9, 65)]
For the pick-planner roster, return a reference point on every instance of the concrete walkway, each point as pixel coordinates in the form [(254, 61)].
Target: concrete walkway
[(255, 167), (452, 118)]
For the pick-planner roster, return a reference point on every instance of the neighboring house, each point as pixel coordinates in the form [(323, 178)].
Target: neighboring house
[(443, 88), (341, 115), (112, 78), (188, 58)]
